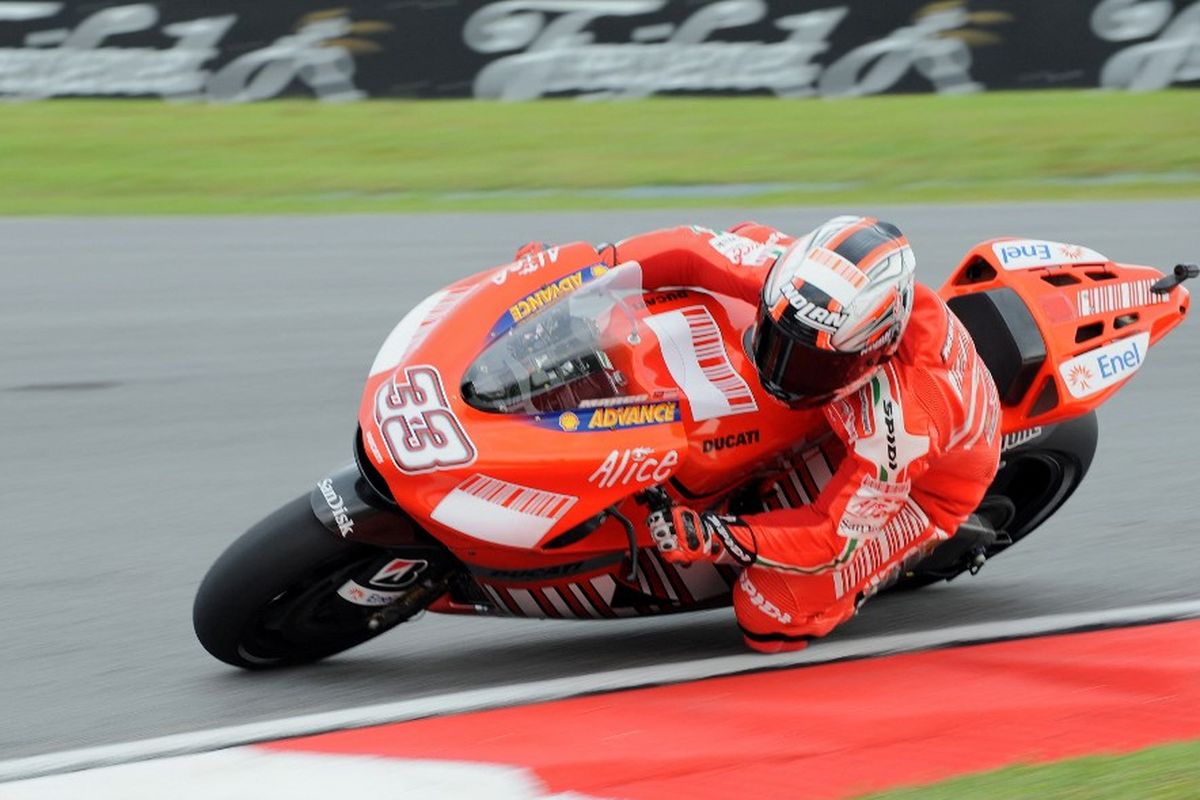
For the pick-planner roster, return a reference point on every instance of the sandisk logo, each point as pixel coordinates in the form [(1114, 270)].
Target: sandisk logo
[(334, 500)]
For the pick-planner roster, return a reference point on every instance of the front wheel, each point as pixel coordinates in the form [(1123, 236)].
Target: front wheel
[(272, 598)]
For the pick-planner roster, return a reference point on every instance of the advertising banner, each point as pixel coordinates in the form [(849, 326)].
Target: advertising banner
[(228, 52)]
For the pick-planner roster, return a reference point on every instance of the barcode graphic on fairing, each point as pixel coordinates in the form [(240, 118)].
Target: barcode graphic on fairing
[(1118, 297), (589, 599), (714, 361), (592, 598), (497, 511), (522, 499)]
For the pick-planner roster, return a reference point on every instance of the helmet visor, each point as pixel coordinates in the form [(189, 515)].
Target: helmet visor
[(799, 373)]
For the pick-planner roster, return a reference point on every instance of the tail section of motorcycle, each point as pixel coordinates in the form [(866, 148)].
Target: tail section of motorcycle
[(1061, 328)]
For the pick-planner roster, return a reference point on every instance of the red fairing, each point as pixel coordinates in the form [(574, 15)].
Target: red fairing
[(1096, 317), (499, 486)]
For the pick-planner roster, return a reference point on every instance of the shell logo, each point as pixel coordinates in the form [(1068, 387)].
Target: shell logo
[(568, 421)]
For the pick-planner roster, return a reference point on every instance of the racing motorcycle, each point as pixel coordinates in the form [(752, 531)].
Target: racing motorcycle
[(515, 424)]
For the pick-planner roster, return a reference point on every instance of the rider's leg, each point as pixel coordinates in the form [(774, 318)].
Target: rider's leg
[(780, 610)]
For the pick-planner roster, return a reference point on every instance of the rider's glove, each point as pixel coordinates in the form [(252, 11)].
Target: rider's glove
[(685, 536)]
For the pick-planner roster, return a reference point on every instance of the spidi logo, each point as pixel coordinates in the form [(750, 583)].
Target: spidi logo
[(889, 422), (1104, 367)]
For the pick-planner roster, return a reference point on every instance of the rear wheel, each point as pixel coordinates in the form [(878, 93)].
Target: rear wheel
[(1033, 482), (272, 598)]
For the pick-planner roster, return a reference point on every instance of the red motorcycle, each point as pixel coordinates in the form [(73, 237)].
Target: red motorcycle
[(516, 423)]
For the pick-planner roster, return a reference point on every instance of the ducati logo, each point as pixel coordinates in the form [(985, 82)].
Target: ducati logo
[(398, 573)]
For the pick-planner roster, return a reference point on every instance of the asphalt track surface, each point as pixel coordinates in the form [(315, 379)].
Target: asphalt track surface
[(164, 383)]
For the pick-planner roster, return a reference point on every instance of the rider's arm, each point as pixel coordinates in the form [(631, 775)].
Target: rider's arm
[(868, 491), (690, 256)]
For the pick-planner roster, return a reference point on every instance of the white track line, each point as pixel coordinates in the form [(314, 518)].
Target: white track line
[(576, 685)]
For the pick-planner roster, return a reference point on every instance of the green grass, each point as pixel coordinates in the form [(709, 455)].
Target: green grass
[(1160, 773), (129, 156)]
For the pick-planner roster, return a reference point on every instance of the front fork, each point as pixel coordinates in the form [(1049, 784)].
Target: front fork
[(414, 571)]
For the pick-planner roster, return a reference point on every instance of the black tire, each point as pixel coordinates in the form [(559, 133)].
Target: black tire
[(271, 599), (1035, 480)]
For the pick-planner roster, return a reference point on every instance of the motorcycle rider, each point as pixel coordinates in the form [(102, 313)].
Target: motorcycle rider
[(842, 326)]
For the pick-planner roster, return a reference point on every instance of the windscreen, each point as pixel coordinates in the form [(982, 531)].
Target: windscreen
[(565, 354)]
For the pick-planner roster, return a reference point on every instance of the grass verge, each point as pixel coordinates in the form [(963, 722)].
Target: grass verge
[(149, 157), (1171, 772)]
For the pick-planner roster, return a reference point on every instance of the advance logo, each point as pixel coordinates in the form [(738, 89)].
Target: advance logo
[(1089, 373)]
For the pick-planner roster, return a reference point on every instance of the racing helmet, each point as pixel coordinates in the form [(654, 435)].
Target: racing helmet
[(832, 310)]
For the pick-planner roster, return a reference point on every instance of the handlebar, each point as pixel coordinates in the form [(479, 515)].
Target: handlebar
[(655, 498)]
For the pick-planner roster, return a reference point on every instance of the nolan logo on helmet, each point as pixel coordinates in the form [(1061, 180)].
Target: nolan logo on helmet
[(813, 314)]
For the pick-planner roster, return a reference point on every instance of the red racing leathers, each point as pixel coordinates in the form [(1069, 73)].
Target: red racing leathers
[(914, 451)]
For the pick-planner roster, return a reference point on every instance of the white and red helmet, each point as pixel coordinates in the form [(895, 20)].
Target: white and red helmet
[(833, 309)]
